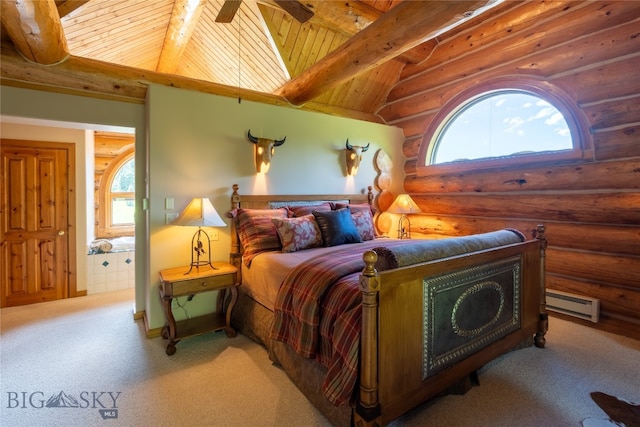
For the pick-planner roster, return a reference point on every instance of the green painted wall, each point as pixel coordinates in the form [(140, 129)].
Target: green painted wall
[(198, 147)]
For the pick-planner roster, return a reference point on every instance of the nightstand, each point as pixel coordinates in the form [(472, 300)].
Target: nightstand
[(176, 282)]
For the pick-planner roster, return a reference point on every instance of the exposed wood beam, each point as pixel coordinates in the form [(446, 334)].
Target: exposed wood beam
[(402, 28), (97, 79), (36, 31), (184, 19)]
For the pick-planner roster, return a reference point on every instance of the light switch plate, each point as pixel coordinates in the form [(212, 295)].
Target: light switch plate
[(170, 216), (168, 203)]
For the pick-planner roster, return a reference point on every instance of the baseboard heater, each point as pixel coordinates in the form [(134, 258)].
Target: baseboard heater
[(573, 305)]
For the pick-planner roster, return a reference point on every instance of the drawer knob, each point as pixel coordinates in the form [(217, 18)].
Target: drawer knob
[(203, 284)]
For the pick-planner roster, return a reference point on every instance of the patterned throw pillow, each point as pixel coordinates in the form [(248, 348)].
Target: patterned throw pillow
[(301, 210), (364, 223), (337, 227), (298, 233), (256, 231), (355, 207), (362, 214)]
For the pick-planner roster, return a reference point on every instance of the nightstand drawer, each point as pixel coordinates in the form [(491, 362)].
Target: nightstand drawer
[(202, 284)]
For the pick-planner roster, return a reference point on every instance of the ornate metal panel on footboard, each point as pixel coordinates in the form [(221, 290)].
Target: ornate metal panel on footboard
[(427, 326)]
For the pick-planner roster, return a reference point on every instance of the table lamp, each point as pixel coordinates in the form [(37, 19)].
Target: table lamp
[(199, 213), (404, 204)]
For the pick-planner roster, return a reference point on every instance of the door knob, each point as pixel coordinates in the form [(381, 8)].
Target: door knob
[(61, 233)]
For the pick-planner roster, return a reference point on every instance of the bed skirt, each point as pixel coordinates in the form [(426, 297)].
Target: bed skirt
[(254, 321)]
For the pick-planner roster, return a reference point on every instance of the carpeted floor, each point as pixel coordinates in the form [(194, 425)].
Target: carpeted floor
[(88, 354)]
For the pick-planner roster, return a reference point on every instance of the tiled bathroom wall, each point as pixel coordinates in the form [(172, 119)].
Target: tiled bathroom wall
[(110, 271)]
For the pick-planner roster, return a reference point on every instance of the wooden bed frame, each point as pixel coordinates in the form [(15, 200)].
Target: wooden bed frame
[(397, 371)]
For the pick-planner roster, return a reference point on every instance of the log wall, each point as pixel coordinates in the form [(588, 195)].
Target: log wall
[(591, 51)]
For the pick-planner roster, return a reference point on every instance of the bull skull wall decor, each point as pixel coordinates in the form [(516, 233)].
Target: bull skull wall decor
[(354, 156), (263, 150)]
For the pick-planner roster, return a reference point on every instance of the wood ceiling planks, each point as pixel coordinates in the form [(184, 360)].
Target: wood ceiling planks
[(119, 31), (215, 47), (260, 50), (132, 33)]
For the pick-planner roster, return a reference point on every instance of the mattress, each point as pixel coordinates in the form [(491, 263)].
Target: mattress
[(261, 281)]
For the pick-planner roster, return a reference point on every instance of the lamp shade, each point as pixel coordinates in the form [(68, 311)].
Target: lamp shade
[(199, 213), (403, 204)]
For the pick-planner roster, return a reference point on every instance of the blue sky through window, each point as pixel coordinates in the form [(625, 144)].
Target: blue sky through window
[(502, 124)]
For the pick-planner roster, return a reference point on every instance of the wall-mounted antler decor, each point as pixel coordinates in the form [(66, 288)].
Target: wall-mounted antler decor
[(354, 156), (264, 149)]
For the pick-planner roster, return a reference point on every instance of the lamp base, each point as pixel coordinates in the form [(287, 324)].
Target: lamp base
[(199, 264), (198, 249), (404, 227)]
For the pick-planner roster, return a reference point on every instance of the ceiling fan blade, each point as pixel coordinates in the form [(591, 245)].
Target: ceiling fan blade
[(296, 9), (228, 11)]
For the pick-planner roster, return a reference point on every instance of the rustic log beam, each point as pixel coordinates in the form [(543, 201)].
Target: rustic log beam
[(402, 28), (36, 31), (184, 19), (97, 79), (618, 239), (601, 207), (599, 267), (620, 174)]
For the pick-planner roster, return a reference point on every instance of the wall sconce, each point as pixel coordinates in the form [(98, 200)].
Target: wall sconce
[(263, 151), (354, 156), (199, 213), (404, 204)]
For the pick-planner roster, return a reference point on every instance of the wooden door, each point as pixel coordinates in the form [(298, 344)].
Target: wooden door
[(34, 220)]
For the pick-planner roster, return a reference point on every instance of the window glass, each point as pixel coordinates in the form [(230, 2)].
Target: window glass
[(501, 123), (122, 194), (124, 179)]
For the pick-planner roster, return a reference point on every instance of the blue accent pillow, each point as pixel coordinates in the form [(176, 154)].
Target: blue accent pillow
[(337, 227)]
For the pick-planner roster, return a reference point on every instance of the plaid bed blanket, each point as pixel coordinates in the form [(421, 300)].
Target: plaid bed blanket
[(318, 313), (318, 307)]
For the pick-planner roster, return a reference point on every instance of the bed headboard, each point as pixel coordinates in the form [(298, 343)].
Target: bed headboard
[(273, 201)]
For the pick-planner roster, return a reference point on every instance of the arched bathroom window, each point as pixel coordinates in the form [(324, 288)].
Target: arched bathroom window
[(121, 195), (503, 123), (116, 198)]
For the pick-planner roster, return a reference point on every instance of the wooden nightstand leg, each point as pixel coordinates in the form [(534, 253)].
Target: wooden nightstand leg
[(169, 331), (171, 348), (222, 296)]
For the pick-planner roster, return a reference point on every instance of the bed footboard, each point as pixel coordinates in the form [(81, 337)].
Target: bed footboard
[(423, 331)]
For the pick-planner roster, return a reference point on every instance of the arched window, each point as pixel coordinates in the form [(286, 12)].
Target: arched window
[(116, 201), (121, 195), (501, 123)]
